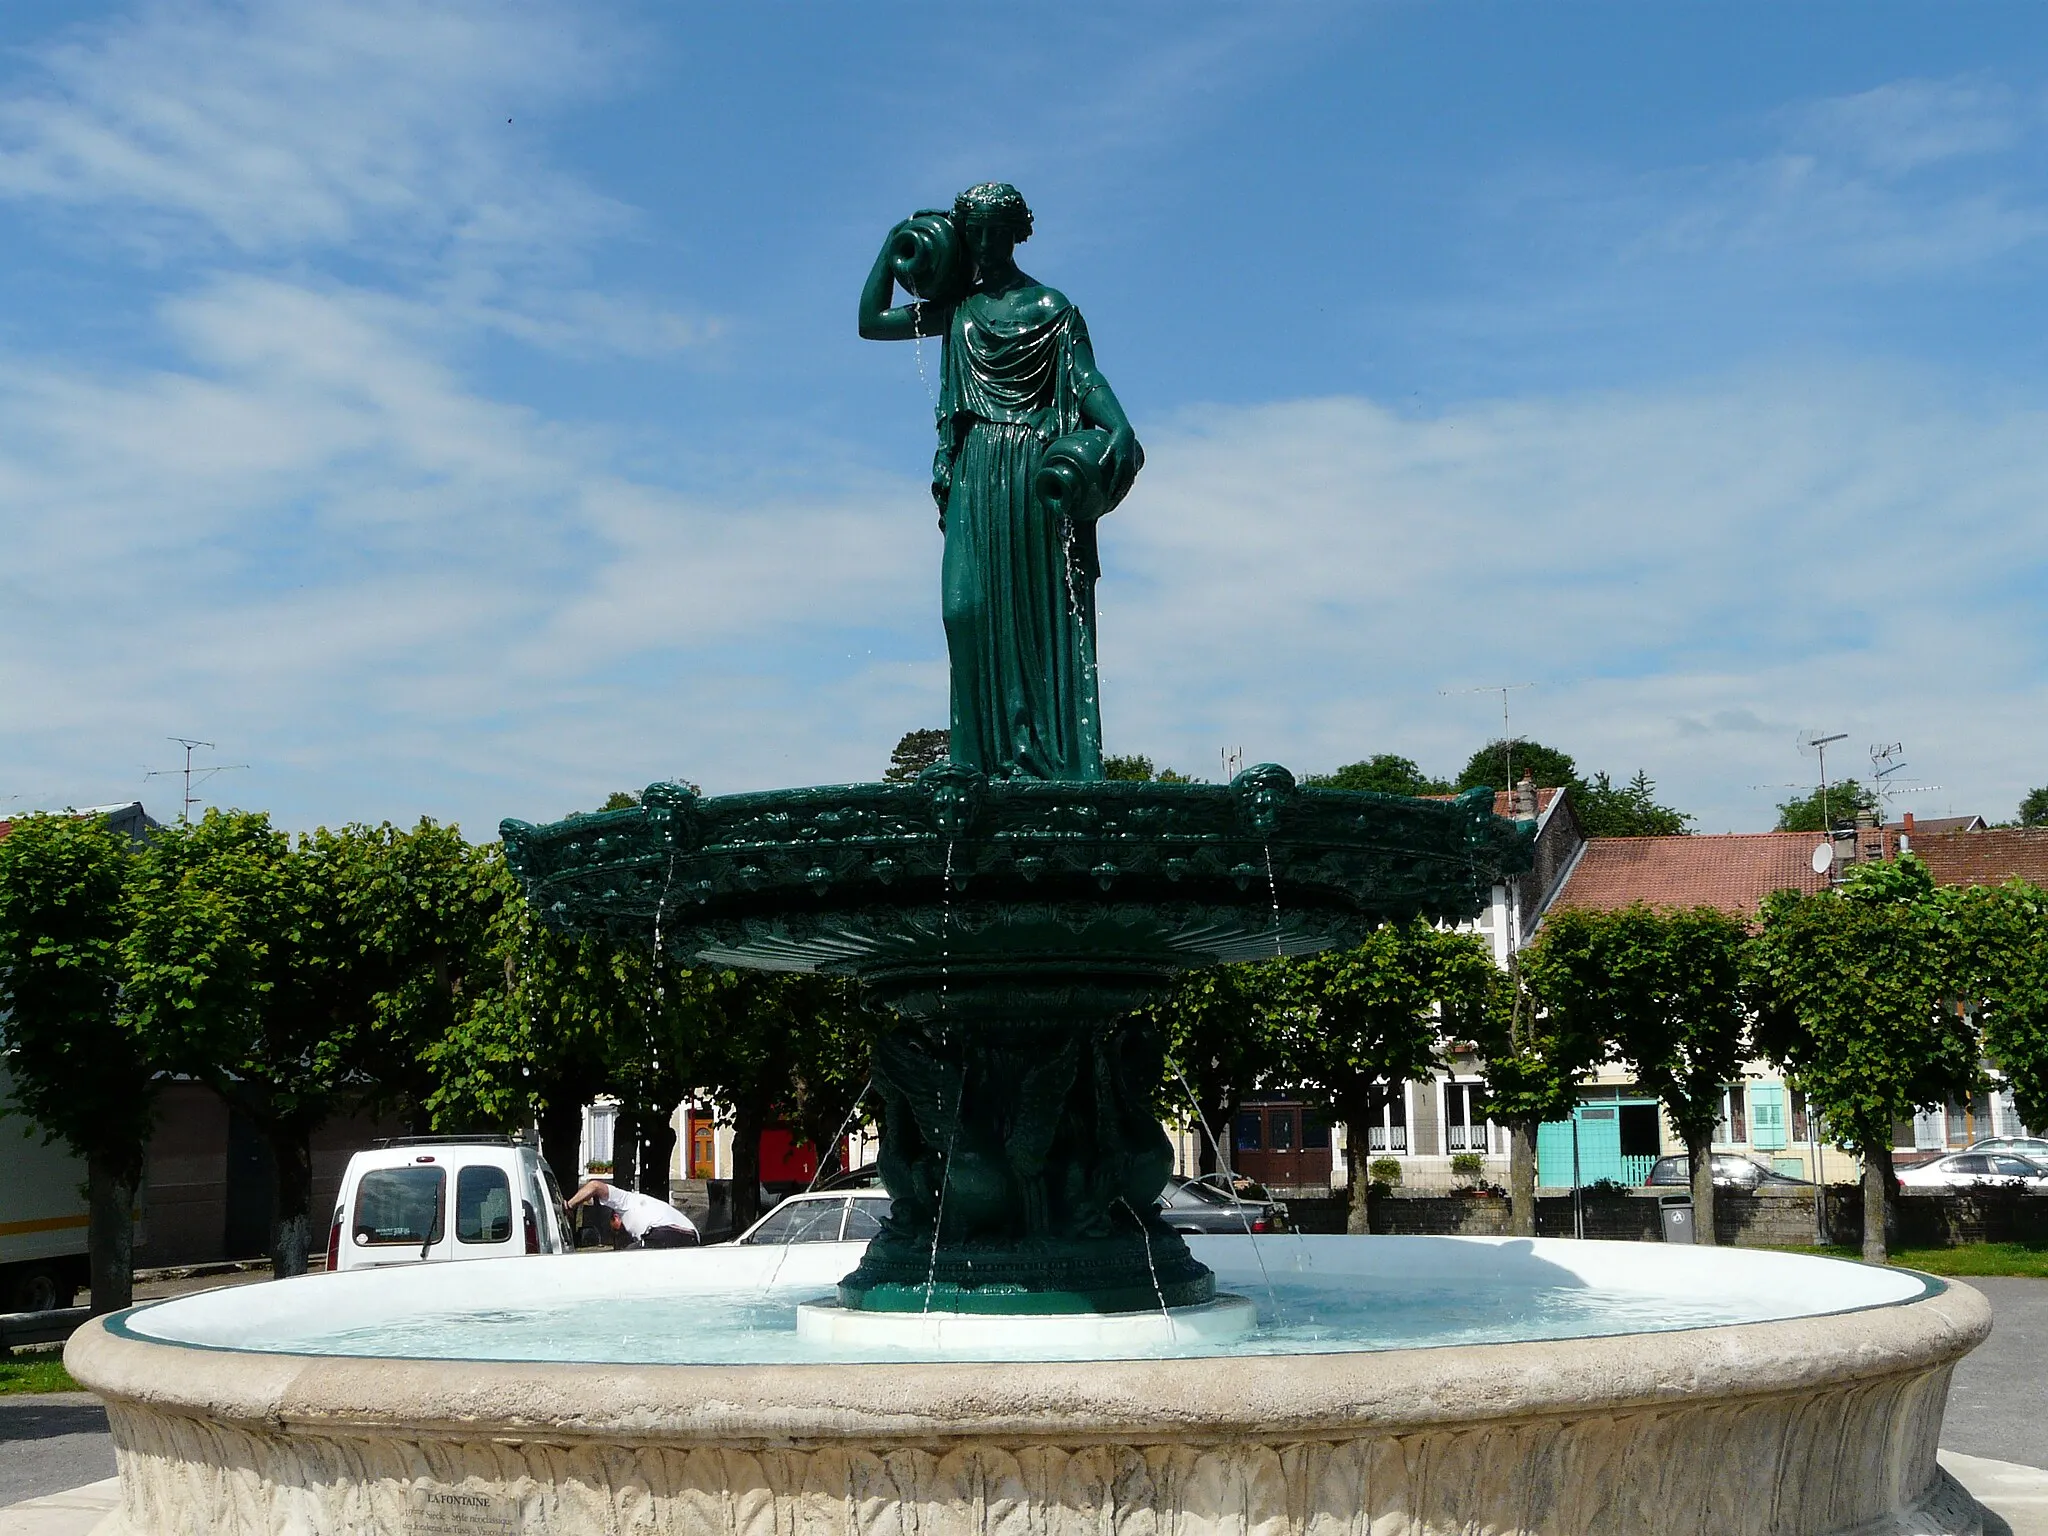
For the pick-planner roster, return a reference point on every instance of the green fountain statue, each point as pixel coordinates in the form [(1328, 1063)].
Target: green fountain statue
[(1010, 908), (1020, 401)]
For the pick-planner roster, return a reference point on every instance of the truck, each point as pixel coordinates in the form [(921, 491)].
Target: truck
[(43, 1262)]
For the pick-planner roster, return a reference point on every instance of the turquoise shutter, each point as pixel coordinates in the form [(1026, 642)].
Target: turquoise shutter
[(1767, 1116)]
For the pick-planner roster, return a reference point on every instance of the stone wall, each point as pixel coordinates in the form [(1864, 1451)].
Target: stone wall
[(1740, 1220)]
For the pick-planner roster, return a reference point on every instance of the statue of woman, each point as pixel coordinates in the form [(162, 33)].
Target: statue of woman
[(1018, 578)]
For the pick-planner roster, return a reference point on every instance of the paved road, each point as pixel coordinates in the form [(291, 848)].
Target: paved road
[(51, 1441), (1994, 1408)]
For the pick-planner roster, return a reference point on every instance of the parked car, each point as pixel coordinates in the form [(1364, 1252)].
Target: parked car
[(2033, 1148), (1731, 1171), (1961, 1170), (1200, 1206), (827, 1216), (417, 1199)]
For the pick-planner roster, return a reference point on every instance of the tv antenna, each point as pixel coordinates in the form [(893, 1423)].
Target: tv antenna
[(191, 745), (1814, 744), (1507, 737), (1233, 761), (1887, 759)]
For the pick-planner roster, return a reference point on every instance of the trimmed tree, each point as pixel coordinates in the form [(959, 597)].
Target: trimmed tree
[(1535, 1061), (1665, 990), (79, 1068), (1218, 1024), (244, 975), (1355, 1024), (1856, 991), (2002, 933), (1386, 773)]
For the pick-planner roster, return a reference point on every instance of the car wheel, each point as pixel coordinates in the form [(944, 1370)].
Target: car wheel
[(39, 1290)]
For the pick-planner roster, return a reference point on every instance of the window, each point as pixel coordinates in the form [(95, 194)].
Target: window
[(1464, 1117), (483, 1205), (1970, 1163), (1315, 1130), (1281, 1123), (2014, 1168), (1391, 1133), (399, 1206), (864, 1219), (801, 1221), (1802, 1128), (1733, 1124), (1249, 1124)]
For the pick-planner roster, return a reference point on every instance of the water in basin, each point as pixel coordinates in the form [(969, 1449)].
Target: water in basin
[(737, 1306)]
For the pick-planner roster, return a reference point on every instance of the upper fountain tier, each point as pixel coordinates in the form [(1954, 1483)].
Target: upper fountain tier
[(976, 882)]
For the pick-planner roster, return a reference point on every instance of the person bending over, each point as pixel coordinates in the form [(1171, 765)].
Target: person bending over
[(648, 1222)]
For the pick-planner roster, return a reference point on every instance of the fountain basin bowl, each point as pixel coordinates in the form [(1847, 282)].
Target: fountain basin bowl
[(1814, 1408)]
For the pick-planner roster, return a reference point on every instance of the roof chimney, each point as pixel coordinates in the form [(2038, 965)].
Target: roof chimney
[(1909, 824), (1525, 798)]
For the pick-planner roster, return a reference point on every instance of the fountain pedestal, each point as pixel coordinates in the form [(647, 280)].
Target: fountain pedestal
[(1009, 927)]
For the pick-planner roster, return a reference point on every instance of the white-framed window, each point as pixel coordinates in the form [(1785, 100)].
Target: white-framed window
[(1390, 1132), (1732, 1128), (1465, 1124)]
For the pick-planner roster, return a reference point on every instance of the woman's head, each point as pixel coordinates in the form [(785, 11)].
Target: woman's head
[(996, 208)]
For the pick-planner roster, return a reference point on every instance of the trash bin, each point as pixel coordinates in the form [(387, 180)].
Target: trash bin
[(1676, 1214)]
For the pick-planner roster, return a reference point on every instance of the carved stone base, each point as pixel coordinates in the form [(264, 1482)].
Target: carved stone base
[(1814, 1426)]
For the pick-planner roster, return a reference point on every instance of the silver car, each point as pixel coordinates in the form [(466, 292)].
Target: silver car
[(1962, 1170)]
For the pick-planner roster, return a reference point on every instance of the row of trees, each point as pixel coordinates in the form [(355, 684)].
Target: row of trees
[(1883, 997), (365, 970), (401, 972)]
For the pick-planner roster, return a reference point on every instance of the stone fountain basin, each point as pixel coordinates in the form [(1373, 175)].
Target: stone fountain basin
[(1819, 1416)]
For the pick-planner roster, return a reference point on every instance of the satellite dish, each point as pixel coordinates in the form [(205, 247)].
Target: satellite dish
[(1823, 858)]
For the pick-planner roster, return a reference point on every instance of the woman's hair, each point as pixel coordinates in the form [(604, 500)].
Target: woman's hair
[(997, 204)]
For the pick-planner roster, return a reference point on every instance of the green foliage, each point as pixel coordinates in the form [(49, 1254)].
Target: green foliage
[(2034, 808), (1853, 989), (1630, 811), (1353, 1022), (2002, 934), (917, 751), (1218, 1023), (1804, 813), (1467, 1165), (1385, 773), (1501, 763), (1663, 989), (620, 800), (1535, 1059), (1136, 769), (80, 1070), (1385, 1170)]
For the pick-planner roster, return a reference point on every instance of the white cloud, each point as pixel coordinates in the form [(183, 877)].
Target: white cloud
[(270, 125), (1845, 181)]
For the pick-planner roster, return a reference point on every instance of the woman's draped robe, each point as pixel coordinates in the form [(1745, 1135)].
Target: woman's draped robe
[(1018, 582)]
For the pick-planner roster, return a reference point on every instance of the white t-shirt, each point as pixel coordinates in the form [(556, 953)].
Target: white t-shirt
[(639, 1214)]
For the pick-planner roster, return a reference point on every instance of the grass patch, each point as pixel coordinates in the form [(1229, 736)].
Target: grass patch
[(36, 1373), (2028, 1260)]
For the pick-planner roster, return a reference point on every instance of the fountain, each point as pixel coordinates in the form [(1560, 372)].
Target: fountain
[(1026, 1347)]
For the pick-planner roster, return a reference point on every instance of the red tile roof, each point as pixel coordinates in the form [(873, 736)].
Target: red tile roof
[(1990, 857), (1733, 872)]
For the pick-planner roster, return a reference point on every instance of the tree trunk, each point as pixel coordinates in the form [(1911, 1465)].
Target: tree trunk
[(657, 1153), (561, 1139), (1522, 1178), (625, 1172), (1358, 1172), (1880, 1188), (110, 1239), (1699, 1156), (291, 1155), (747, 1118)]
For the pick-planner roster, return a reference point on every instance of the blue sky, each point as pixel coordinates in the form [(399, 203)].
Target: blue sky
[(456, 409)]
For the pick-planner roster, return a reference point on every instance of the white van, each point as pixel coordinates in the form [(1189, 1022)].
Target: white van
[(429, 1198), (43, 1218)]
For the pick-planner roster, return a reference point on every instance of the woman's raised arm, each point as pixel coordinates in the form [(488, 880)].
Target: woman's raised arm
[(878, 320)]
